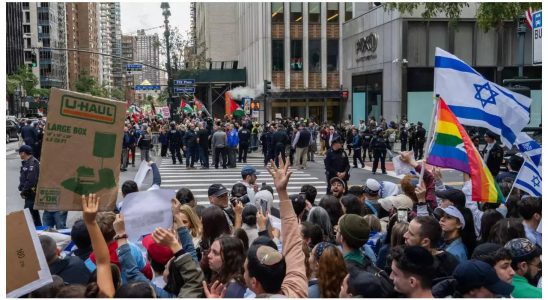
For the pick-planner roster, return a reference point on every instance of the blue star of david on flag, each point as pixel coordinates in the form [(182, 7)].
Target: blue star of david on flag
[(479, 95), (536, 181)]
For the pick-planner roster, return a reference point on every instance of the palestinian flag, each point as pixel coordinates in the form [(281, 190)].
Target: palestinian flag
[(133, 109), (235, 109), (187, 109)]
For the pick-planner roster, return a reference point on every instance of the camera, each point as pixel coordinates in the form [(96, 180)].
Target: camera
[(402, 216)]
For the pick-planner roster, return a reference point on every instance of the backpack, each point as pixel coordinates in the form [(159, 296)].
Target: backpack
[(392, 137), (369, 267)]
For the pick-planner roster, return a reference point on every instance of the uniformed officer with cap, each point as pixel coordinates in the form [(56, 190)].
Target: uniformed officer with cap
[(28, 179), (492, 153), (336, 163)]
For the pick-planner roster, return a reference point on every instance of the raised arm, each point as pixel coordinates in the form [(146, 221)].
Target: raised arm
[(90, 206)]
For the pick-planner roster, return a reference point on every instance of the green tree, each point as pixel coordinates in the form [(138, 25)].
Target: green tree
[(23, 78), (116, 93), (40, 92), (85, 83), (490, 15)]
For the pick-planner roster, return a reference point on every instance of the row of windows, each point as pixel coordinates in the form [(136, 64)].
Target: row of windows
[(314, 55), (314, 12)]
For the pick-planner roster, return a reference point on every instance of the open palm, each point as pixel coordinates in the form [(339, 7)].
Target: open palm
[(280, 175)]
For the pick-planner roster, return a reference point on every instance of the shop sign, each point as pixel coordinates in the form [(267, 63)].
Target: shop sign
[(366, 47)]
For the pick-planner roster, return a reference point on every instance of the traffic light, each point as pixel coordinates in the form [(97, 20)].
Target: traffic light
[(267, 87), (33, 59)]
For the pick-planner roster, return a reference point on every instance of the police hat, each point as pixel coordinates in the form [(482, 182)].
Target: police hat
[(26, 149)]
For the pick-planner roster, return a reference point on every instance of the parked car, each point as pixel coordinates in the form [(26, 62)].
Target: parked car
[(12, 130)]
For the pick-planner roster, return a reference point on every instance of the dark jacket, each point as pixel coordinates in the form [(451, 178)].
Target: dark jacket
[(266, 141), (28, 133), (163, 138), (366, 265), (336, 161), (379, 143), (190, 138), (203, 138), (174, 138), (28, 175), (72, 269), (304, 139), (126, 140), (244, 136), (494, 158), (280, 138)]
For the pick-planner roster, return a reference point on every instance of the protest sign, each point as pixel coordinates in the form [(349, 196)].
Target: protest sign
[(25, 261), (81, 151), (402, 168), (141, 173), (145, 211)]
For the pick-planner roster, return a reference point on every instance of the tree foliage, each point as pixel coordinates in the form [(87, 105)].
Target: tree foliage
[(88, 84), (184, 54), (25, 79), (490, 15)]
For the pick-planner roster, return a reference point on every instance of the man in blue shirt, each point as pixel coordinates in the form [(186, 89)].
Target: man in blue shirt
[(232, 141)]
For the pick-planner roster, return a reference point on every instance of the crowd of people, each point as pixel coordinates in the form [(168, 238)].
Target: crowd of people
[(380, 239)]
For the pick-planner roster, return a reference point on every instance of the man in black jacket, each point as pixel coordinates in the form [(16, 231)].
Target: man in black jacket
[(190, 142), (420, 139), (28, 179), (266, 142), (336, 163), (71, 268), (244, 136), (279, 140), (203, 145), (300, 144), (174, 140), (492, 153)]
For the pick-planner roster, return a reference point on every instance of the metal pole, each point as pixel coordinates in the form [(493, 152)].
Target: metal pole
[(166, 13), (429, 137), (521, 45)]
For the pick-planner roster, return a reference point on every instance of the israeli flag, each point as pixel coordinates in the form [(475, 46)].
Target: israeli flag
[(530, 147), (529, 178), (475, 101)]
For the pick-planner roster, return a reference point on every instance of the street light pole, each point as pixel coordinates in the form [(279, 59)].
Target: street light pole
[(166, 13)]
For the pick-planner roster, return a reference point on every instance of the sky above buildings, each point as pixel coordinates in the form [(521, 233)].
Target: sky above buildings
[(144, 15)]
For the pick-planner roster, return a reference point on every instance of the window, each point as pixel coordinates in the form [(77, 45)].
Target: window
[(27, 42), (347, 11), (278, 55), (296, 12), (27, 16), (26, 28), (296, 55), (25, 5), (332, 12), (314, 55), (314, 12), (332, 55), (277, 12)]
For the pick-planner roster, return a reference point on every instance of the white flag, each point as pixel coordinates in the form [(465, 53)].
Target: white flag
[(530, 147), (529, 178), (475, 101)]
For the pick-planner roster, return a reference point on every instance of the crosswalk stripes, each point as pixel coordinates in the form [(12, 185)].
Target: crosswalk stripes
[(198, 180)]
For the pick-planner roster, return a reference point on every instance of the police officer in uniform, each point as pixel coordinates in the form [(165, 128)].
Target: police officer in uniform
[(244, 135), (492, 153), (336, 163), (411, 133), (367, 137), (266, 141), (28, 179), (420, 139), (379, 145), (279, 140), (174, 141)]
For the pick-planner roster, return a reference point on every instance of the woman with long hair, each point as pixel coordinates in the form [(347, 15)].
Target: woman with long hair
[(226, 260), (193, 223), (327, 261), (333, 207), (489, 218), (318, 215), (214, 225)]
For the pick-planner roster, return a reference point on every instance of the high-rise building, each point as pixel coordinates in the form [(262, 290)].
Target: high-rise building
[(44, 25), (129, 51), (110, 43), (83, 33), (15, 55), (148, 52)]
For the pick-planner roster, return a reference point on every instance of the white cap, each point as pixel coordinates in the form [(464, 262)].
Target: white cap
[(373, 185)]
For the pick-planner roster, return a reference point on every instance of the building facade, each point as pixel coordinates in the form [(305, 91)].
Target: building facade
[(129, 51), (148, 52), (217, 29), (389, 61), (83, 33), (15, 54), (297, 46), (44, 25), (111, 44)]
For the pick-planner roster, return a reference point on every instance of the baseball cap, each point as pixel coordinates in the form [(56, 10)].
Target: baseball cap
[(372, 186), (26, 149), (216, 190), (451, 211), (456, 196), (491, 134), (522, 249), (158, 253), (401, 201), (249, 170), (472, 274), (337, 179)]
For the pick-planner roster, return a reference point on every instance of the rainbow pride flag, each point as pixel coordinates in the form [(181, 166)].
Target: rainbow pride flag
[(452, 148)]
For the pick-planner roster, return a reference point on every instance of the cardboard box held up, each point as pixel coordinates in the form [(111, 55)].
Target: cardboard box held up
[(81, 151)]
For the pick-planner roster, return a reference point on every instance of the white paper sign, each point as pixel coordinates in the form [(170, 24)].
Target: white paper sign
[(145, 211), (141, 173), (402, 168)]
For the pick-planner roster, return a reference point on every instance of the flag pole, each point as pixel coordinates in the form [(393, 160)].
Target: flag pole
[(429, 137)]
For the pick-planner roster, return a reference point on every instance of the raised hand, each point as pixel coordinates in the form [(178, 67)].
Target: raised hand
[(90, 205), (119, 225), (262, 219), (217, 290), (280, 175), (165, 237), (437, 173), (420, 191), (238, 208)]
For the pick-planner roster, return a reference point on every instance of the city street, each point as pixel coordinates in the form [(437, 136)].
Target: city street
[(198, 181)]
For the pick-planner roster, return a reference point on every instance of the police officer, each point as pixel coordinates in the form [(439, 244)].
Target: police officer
[(244, 135), (492, 153), (411, 133), (420, 139), (367, 137), (336, 163), (29, 134), (379, 145), (174, 141), (279, 140), (28, 179), (266, 141), (190, 144)]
